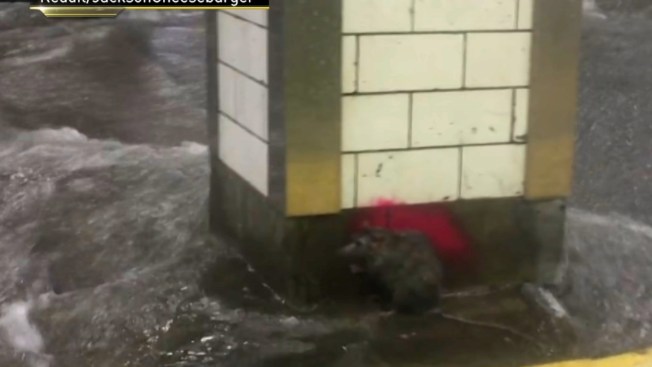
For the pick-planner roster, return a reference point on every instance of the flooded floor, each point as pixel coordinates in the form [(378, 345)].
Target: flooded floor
[(105, 261), (104, 248), (104, 253)]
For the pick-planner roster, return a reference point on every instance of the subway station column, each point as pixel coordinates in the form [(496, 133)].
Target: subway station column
[(320, 108)]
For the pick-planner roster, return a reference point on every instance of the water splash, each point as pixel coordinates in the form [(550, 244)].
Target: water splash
[(607, 288), (591, 10), (116, 231), (21, 334)]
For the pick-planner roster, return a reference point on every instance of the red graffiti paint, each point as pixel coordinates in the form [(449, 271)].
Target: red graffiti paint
[(434, 220)]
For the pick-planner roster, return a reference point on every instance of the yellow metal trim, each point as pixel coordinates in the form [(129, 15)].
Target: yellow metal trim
[(312, 96), (553, 98), (640, 359), (73, 12)]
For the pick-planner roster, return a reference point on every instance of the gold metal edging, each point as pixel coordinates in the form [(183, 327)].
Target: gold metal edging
[(553, 98), (72, 12), (312, 106)]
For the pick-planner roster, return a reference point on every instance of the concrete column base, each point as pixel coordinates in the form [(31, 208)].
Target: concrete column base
[(515, 241), (294, 255)]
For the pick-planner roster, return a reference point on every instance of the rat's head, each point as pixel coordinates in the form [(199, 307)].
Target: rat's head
[(366, 243)]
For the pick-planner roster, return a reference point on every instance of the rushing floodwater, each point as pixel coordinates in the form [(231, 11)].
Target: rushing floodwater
[(104, 258), (105, 262), (103, 251), (106, 231)]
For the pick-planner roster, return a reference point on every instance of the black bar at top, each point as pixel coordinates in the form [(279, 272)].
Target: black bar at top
[(232, 4)]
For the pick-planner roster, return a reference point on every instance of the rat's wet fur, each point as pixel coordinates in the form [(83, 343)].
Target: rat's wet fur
[(400, 267)]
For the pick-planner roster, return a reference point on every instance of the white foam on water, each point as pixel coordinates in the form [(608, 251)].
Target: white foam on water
[(64, 134), (21, 334), (619, 221), (193, 147), (591, 9), (43, 56)]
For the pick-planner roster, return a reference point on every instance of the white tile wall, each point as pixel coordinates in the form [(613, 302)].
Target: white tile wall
[(525, 14), (244, 100), (243, 94), (348, 181), (375, 122), (464, 117), (498, 59), (521, 112), (243, 153), (361, 16), (412, 176), (492, 171), (464, 15), (349, 68), (243, 45), (463, 66), (253, 15), (410, 62)]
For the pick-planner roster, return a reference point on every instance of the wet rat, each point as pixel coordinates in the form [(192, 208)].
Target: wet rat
[(404, 271), (399, 266)]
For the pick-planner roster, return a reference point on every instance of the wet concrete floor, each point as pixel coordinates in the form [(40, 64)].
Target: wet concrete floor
[(507, 328)]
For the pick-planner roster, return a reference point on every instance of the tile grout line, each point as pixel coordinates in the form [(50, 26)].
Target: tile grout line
[(244, 19), (441, 147), (355, 180), (450, 32), (242, 73), (413, 16), (463, 89), (464, 58), (460, 169), (513, 116), (243, 127), (410, 117), (356, 65)]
